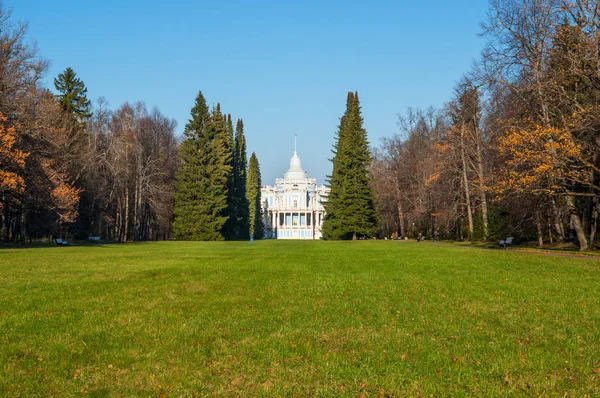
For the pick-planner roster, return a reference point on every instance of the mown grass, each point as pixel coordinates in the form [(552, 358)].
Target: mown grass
[(297, 318)]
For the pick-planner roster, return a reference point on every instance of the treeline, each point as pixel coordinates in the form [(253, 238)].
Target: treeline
[(72, 170), (68, 169), (515, 150)]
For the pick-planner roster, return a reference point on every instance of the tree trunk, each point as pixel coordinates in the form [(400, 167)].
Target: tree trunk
[(594, 223), (577, 225), (466, 180), (400, 211), (126, 217), (538, 223), (117, 227), (5, 222), (481, 178), (136, 211), (557, 221), (401, 219)]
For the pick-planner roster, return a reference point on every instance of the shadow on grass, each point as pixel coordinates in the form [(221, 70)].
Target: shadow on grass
[(75, 243)]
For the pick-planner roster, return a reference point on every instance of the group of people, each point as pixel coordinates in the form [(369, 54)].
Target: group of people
[(420, 237), (436, 237)]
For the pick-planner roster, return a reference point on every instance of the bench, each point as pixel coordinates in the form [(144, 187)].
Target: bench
[(60, 242), (94, 239), (506, 242)]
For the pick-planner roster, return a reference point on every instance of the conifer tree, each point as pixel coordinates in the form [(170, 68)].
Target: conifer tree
[(253, 185), (201, 186), (73, 95), (350, 207), (229, 229), (242, 227)]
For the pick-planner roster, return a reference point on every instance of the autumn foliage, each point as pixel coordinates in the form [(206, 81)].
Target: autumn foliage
[(64, 195), (540, 160), (12, 160)]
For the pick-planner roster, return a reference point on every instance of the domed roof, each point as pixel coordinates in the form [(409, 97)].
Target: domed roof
[(295, 170)]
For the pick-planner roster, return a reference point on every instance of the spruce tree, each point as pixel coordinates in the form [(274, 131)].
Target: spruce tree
[(253, 185), (201, 180), (350, 207), (229, 229), (73, 96), (242, 227)]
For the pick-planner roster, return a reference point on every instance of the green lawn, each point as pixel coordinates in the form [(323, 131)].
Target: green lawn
[(277, 318)]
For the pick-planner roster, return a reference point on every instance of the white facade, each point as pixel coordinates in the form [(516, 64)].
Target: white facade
[(293, 207)]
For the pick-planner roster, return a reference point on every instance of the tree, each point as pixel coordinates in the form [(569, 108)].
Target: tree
[(21, 67), (73, 96), (191, 182), (63, 193), (523, 37), (350, 208), (240, 165), (229, 229), (466, 138), (253, 185), (67, 171), (201, 187), (12, 162)]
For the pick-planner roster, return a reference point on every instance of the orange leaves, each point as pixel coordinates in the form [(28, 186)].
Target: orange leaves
[(65, 196), (11, 160), (539, 160), (432, 178)]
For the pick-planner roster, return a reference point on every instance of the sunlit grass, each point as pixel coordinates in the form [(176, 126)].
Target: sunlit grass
[(296, 318)]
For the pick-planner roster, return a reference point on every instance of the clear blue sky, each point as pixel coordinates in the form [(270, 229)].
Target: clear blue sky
[(284, 67)]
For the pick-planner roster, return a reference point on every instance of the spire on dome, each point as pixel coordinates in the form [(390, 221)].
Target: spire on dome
[(295, 170)]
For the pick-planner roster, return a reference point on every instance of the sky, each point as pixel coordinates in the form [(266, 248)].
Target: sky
[(284, 67)]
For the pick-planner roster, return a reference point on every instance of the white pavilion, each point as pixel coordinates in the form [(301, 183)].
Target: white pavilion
[(293, 208)]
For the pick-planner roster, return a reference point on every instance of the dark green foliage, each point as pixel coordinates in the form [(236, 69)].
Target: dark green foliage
[(201, 186), (350, 206), (240, 164), (73, 95), (253, 194), (229, 232)]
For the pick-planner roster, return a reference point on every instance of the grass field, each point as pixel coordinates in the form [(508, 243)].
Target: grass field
[(297, 319)]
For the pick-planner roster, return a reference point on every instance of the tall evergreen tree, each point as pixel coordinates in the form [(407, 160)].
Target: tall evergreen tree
[(201, 186), (253, 184), (350, 207), (242, 227), (73, 95), (229, 229)]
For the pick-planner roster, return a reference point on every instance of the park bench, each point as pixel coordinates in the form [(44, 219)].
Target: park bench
[(94, 239), (506, 242), (60, 242)]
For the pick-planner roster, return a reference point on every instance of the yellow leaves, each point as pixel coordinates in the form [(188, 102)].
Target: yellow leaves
[(442, 146), (11, 160), (539, 160), (64, 194), (432, 178)]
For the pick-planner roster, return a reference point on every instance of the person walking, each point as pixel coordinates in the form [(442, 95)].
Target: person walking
[(436, 236)]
